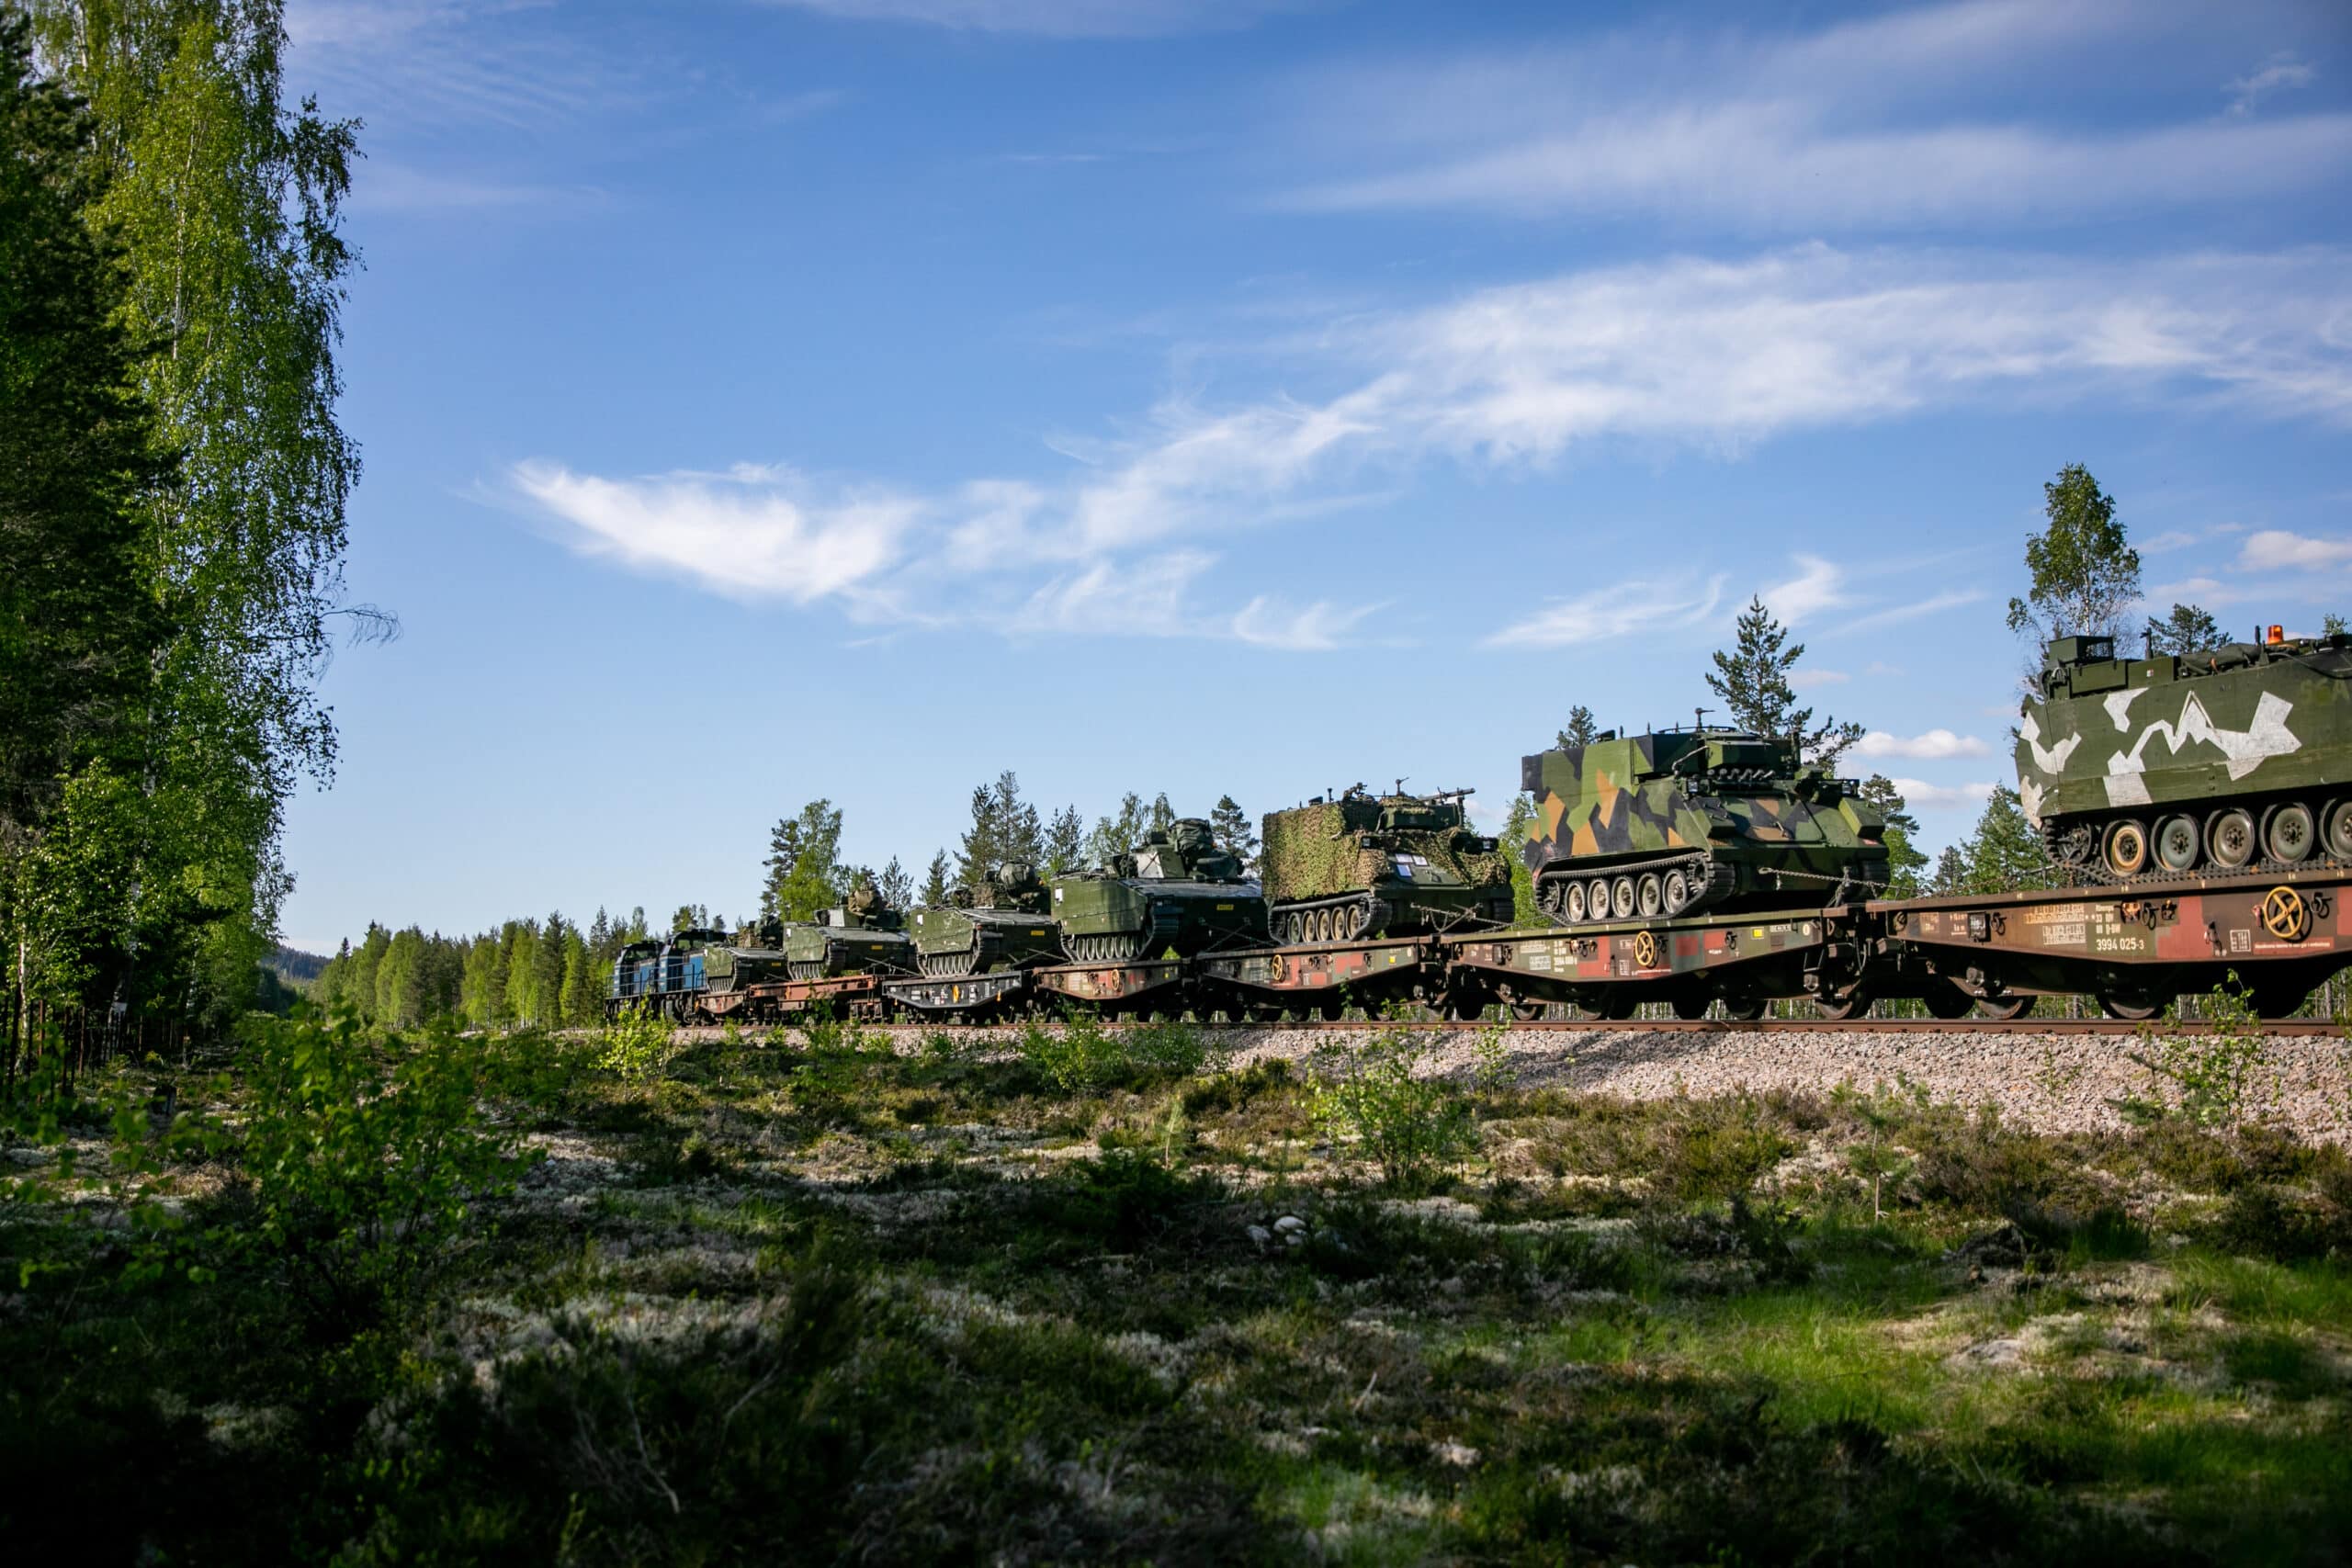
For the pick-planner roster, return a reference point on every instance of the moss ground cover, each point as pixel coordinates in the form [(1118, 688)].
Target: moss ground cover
[(824, 1297)]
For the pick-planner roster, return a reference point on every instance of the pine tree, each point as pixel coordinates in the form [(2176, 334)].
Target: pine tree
[(1904, 858), (2004, 855), (977, 850), (933, 892), (1065, 841), (1582, 728), (1951, 872), (2086, 574), (1752, 679), (1230, 826), (897, 889), (2187, 630)]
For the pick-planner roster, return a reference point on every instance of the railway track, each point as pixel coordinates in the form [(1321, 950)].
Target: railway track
[(2293, 1027)]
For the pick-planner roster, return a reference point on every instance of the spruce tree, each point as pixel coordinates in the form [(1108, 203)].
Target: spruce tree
[(897, 889), (1752, 679), (1904, 858), (1065, 841), (1582, 728), (2004, 855), (933, 892), (1230, 824), (979, 847), (1516, 823)]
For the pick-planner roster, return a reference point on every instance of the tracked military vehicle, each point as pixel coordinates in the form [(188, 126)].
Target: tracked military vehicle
[(1004, 924), (2229, 759), (729, 966), (1365, 865), (1178, 891), (861, 935), (1684, 820)]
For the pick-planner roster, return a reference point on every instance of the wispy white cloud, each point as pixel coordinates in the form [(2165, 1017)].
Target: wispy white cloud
[(2283, 74), (390, 187), (1812, 679), (1711, 355), (1951, 598), (1919, 793), (1874, 124), (1604, 614), (420, 65), (2274, 549), (1932, 745), (1056, 19)]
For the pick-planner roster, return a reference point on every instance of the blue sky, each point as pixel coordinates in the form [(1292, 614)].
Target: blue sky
[(855, 397)]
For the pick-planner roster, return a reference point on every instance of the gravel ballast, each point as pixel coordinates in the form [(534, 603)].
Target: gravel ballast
[(2057, 1083)]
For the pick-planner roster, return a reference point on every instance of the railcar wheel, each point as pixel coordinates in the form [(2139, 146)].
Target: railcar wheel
[(2003, 1008), (2339, 829), (1597, 896), (2177, 842), (2125, 847), (2130, 1006), (1691, 1006), (1577, 907), (1676, 891), (2229, 839), (1617, 1002), (1621, 896), (1853, 1004), (2290, 834), (1742, 1008), (1649, 895), (1945, 1000)]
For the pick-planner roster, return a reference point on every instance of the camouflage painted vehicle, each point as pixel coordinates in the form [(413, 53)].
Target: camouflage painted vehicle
[(1680, 820), (860, 936), (729, 966), (1365, 865), (1177, 891), (2235, 759), (1006, 925)]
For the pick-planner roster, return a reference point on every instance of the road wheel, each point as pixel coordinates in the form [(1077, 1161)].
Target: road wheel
[(1577, 908), (1676, 890), (2125, 847), (1620, 898), (1596, 896), (2338, 839), (1649, 898), (2229, 839), (2178, 842), (2289, 835)]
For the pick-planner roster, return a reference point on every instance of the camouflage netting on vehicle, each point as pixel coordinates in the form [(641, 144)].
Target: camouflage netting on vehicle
[(1312, 851)]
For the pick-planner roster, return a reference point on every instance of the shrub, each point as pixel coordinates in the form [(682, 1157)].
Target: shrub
[(637, 1044), (2206, 1077), (1408, 1123), (1082, 1055), (363, 1160)]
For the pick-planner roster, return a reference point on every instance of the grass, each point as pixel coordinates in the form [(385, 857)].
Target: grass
[(1108, 1300)]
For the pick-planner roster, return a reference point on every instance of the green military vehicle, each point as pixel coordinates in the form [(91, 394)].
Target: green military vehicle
[(862, 936), (1178, 891), (731, 966), (2234, 759), (1684, 820), (1005, 924), (1365, 865)]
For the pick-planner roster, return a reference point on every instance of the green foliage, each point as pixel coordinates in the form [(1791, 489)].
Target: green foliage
[(2203, 1077), (1581, 731), (2085, 573), (1752, 679), (1408, 1122), (1080, 1054), (1004, 828), (933, 892), (1230, 826), (639, 1043), (365, 1160), (804, 869), (1719, 1149), (2004, 855), (2187, 630), (1903, 860), (1517, 822)]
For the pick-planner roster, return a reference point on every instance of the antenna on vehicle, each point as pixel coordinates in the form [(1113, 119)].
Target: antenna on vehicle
[(1698, 718)]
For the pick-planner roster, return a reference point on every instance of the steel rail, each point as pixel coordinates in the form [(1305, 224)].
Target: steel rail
[(2293, 1027)]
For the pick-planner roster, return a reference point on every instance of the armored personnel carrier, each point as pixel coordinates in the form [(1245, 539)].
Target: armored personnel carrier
[(2229, 759), (861, 935), (1367, 865), (729, 966), (1177, 891), (1004, 925), (1684, 820)]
